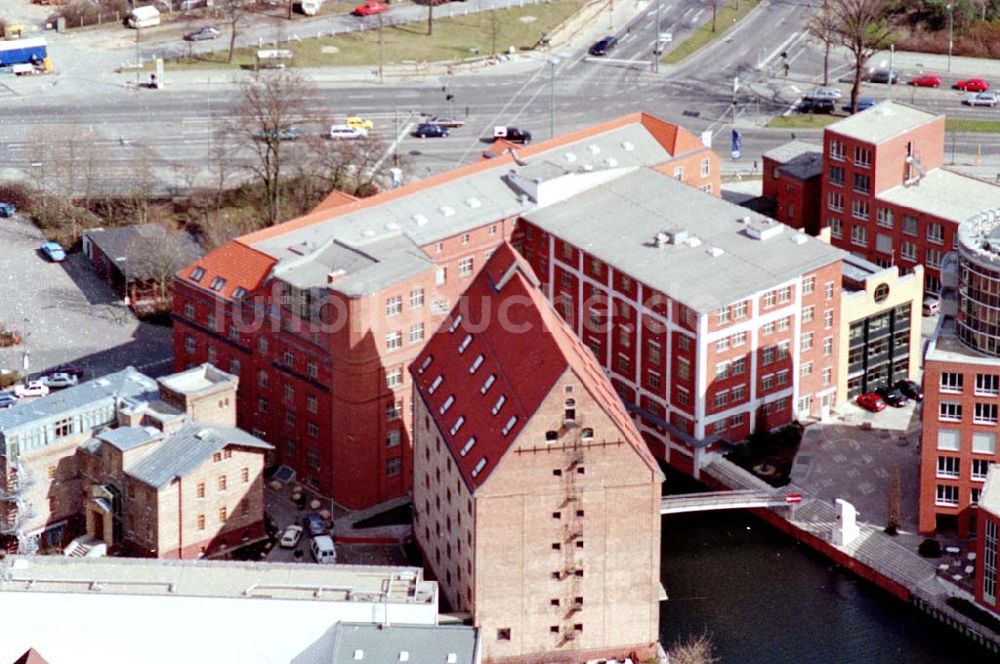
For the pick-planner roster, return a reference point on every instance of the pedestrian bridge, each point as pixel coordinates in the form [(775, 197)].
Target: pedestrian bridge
[(725, 500)]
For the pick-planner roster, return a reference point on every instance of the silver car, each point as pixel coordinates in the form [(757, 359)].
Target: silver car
[(825, 93), (981, 99)]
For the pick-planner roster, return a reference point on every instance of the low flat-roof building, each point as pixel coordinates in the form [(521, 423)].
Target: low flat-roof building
[(349, 643), (122, 611)]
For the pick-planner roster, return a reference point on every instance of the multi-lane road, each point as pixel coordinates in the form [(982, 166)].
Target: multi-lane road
[(564, 89)]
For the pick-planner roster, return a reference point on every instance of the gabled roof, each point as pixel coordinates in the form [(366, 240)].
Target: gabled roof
[(526, 348), (31, 657), (185, 451), (239, 265), (334, 199)]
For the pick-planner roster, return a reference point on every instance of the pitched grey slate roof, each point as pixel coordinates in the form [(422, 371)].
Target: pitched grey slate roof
[(133, 243), (366, 643), (798, 159), (186, 450), (125, 438)]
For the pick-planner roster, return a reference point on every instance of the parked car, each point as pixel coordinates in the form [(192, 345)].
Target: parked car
[(370, 8), (202, 34), (816, 106), (7, 210), (872, 402), (290, 538), (932, 306), (973, 85), (314, 524), (347, 132), (445, 121), (53, 252), (884, 76), (33, 389), (7, 400), (282, 134), (892, 396), (323, 550), (910, 389), (427, 130), (70, 369), (604, 46), (512, 134), (864, 103), (926, 81), (360, 123), (58, 380), (826, 92), (982, 99)]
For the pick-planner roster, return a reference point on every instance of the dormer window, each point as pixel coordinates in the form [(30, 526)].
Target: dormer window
[(218, 283), (197, 273), (239, 293)]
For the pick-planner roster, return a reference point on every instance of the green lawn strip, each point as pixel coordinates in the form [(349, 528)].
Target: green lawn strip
[(971, 126), (726, 18), (803, 121), (453, 39)]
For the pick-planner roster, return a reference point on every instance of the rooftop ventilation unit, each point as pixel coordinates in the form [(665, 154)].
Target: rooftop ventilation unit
[(593, 149), (203, 434), (368, 232), (447, 210), (693, 241), (392, 226), (628, 147), (666, 237), (569, 157), (611, 161), (333, 276), (744, 220), (714, 252), (799, 239), (473, 202), (420, 219), (586, 168), (763, 228)]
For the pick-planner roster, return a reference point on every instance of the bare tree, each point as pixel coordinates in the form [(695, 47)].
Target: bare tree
[(694, 650), (358, 167), (861, 26), (494, 25), (892, 515), (158, 252), (714, 5), (821, 26), (270, 102), (234, 11)]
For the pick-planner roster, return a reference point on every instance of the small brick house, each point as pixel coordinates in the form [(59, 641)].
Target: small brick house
[(536, 501)]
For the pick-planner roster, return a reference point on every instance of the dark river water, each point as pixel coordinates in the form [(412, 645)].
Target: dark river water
[(766, 599)]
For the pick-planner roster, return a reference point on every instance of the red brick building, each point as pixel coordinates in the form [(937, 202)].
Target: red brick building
[(322, 315), (962, 382), (793, 181), (988, 542), (536, 502), (885, 195)]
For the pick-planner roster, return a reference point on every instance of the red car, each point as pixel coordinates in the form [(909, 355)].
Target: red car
[(973, 85), (872, 402), (370, 8), (926, 81)]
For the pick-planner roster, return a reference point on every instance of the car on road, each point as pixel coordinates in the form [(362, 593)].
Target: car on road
[(282, 134), (864, 103), (359, 122), (872, 402), (816, 106), (926, 81), (826, 92), (58, 380), (314, 524), (7, 210), (370, 8), (346, 132), (972, 85), (201, 34), (911, 389), (982, 99), (884, 76), (7, 400), (931, 306), (33, 389), (892, 396), (604, 46), (512, 134), (445, 121), (428, 130), (53, 252), (290, 538)]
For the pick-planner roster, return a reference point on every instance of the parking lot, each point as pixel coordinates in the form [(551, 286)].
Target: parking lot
[(65, 314)]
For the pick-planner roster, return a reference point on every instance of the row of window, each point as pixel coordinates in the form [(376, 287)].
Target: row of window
[(862, 156), (947, 496), (394, 304), (223, 514), (986, 384), (394, 339), (983, 442), (950, 467), (983, 413), (221, 482)]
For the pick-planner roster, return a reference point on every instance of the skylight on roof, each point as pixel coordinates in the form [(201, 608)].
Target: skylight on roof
[(426, 363), (421, 219), (499, 404), (488, 383), (465, 343), (476, 363), (510, 425), (447, 211), (628, 147), (473, 202), (593, 149), (436, 384), (569, 157), (468, 446), (447, 404), (458, 424), (479, 467), (455, 323)]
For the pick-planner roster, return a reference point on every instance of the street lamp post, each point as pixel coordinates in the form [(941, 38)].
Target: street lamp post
[(656, 41), (552, 94), (951, 24)]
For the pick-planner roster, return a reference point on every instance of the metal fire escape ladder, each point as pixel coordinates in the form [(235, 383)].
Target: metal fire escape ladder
[(16, 509), (572, 533)]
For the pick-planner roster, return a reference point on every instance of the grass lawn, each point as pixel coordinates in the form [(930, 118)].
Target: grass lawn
[(452, 40), (963, 125), (803, 121), (726, 17)]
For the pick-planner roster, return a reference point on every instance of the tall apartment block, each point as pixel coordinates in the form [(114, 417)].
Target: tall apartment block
[(536, 502)]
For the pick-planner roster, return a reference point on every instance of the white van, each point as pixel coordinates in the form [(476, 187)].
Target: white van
[(310, 7), (144, 17), (348, 132), (323, 550)]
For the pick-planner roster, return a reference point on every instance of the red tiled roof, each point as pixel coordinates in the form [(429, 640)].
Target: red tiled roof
[(525, 346), (334, 199), (31, 657), (240, 265)]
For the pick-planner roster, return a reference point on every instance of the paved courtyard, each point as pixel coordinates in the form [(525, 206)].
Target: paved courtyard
[(66, 314)]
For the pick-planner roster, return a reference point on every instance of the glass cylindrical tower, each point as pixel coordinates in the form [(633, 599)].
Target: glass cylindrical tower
[(978, 318)]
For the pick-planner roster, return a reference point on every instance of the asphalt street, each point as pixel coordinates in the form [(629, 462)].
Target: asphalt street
[(561, 90)]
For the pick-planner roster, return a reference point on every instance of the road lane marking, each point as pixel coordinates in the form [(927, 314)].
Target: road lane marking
[(781, 47)]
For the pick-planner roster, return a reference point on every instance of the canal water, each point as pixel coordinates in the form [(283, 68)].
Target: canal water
[(766, 599)]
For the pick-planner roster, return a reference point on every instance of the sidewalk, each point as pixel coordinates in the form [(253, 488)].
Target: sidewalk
[(910, 62)]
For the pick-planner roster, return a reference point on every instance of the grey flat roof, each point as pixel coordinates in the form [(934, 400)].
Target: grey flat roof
[(618, 220), (989, 499), (188, 448), (799, 159), (206, 578), (882, 121), (945, 345), (196, 379), (127, 383), (945, 194), (350, 643), (430, 214), (133, 243), (125, 438), (791, 150)]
